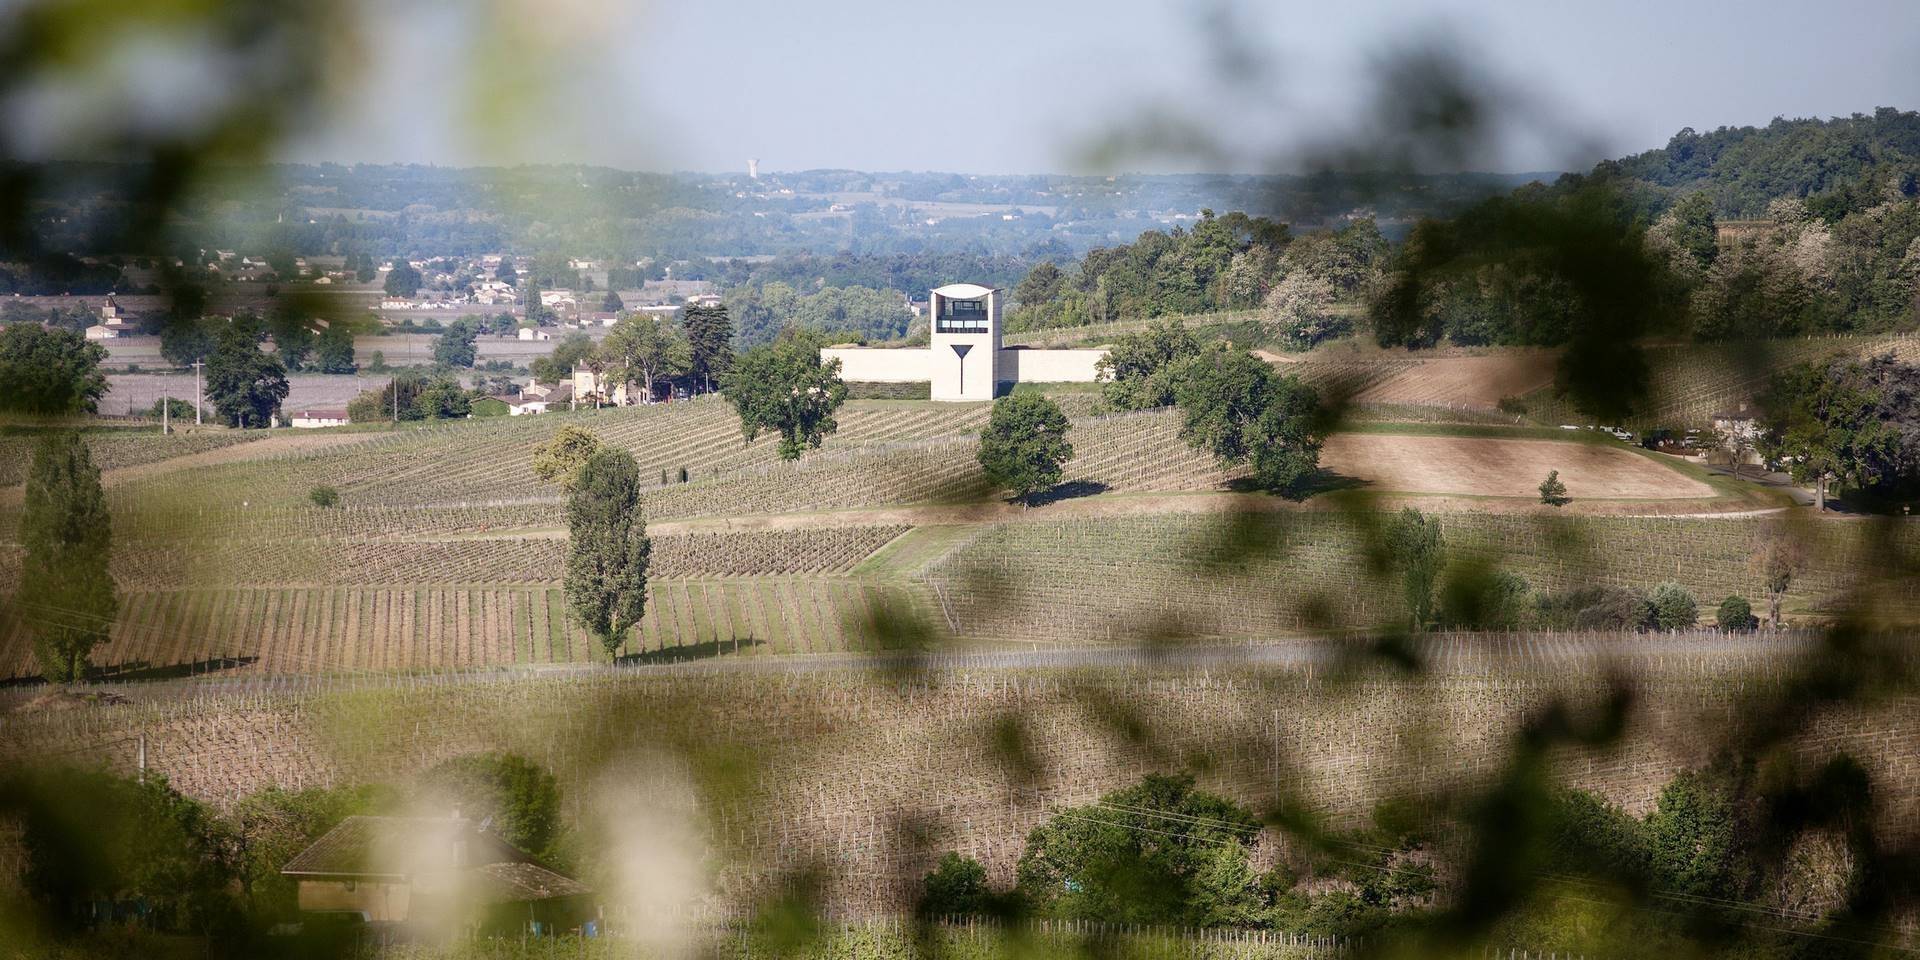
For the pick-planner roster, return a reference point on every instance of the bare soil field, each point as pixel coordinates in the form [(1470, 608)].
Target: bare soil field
[(1477, 382), (1480, 466)]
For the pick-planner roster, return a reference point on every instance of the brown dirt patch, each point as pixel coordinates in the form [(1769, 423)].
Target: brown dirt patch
[(1478, 466), (1477, 382)]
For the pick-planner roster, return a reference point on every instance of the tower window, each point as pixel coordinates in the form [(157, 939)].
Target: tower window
[(962, 316)]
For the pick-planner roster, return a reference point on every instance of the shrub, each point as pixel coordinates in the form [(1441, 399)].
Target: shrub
[(1736, 615), (683, 475), (1594, 608), (957, 887), (1673, 607), (323, 496)]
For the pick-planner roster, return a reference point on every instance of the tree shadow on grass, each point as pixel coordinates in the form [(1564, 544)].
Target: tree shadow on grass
[(1322, 481), (706, 650), (143, 670), (1071, 490)]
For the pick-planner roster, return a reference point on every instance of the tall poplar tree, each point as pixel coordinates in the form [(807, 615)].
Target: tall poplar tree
[(66, 595), (608, 549)]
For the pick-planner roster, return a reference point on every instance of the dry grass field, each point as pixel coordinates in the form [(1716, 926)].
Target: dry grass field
[(1489, 467)]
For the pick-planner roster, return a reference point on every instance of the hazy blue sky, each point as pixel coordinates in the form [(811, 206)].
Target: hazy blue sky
[(1025, 85)]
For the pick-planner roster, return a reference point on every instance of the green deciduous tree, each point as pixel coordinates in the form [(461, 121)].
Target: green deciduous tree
[(784, 388), (1160, 852), (456, 347), (45, 371), (1736, 615), (1851, 422), (244, 384), (560, 457), (1142, 369), (646, 347), (1673, 606), (1235, 407), (956, 887), (333, 351), (403, 280), (608, 550), (1415, 546), (66, 594), (1024, 444)]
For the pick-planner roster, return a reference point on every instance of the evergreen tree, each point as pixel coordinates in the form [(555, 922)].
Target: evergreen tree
[(606, 577), (1552, 491), (710, 335), (1415, 544), (66, 594)]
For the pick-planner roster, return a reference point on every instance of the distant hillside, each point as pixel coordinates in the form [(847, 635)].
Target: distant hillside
[(1839, 166)]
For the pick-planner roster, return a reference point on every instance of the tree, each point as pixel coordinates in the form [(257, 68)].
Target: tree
[(1235, 407), (1159, 852), (333, 352), (185, 339), (1553, 492), (244, 384), (1695, 830), (1303, 311), (88, 836), (1415, 546), (46, 371), (455, 347), (175, 409), (323, 496), (65, 593), (1851, 422), (505, 272), (293, 338), (606, 577), (520, 797), (710, 342), (403, 280), (646, 347), (611, 303), (560, 458), (1693, 229), (1673, 606), (1779, 556), (784, 388), (1142, 369), (1736, 615), (1040, 285), (956, 887), (569, 352), (1024, 444)]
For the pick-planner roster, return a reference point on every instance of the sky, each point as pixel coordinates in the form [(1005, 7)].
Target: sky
[(1030, 86)]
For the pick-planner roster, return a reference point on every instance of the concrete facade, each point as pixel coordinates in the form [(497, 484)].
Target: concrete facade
[(964, 360)]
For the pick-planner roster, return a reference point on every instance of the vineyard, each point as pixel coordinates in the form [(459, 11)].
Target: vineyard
[(830, 764), (117, 448), (1121, 579), (419, 626), (1692, 382)]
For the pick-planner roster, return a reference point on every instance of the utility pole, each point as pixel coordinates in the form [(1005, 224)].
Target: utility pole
[(163, 407), (396, 398), (198, 400)]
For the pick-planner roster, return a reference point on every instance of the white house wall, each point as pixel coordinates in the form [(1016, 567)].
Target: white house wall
[(881, 365), (1049, 366)]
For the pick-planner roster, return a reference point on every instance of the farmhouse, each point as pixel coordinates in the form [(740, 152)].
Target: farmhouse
[(320, 417), (446, 872), (965, 360), (101, 331)]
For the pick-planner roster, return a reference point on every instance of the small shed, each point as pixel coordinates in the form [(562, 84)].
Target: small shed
[(447, 872)]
